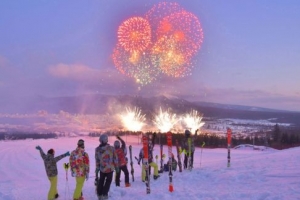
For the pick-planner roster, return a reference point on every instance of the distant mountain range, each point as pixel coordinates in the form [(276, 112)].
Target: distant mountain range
[(105, 104)]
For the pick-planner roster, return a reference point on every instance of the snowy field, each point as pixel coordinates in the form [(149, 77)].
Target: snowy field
[(254, 174)]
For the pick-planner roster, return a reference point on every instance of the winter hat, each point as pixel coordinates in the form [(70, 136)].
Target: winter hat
[(80, 143), (103, 138), (117, 144), (51, 151)]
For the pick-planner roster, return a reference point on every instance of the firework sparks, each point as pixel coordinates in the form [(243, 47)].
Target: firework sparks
[(193, 121), (133, 120), (185, 28), (164, 42), (165, 121), (134, 34), (171, 59), (160, 11), (136, 65)]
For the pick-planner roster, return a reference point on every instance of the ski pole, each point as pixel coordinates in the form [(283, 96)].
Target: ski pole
[(203, 144), (67, 188)]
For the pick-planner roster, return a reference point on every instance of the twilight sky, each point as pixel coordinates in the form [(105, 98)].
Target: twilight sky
[(249, 56)]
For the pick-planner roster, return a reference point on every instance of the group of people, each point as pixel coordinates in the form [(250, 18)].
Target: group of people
[(108, 159)]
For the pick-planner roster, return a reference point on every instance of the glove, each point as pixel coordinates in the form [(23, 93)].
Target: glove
[(117, 169), (96, 182), (139, 162), (87, 177), (38, 148), (67, 154)]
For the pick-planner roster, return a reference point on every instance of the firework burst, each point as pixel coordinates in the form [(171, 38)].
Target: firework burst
[(134, 34), (171, 59), (133, 120), (165, 121), (193, 121), (136, 65), (160, 11), (185, 28)]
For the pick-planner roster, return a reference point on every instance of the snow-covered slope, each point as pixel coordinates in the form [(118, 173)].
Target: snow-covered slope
[(268, 174)]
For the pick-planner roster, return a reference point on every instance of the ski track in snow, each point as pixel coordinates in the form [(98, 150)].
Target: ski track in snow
[(269, 174)]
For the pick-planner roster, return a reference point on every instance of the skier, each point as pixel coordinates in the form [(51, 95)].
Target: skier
[(185, 148), (150, 158), (51, 169), (121, 153), (80, 168), (106, 162)]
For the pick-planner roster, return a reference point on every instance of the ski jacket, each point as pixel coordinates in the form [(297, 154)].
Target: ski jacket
[(106, 158), (50, 163), (121, 153), (185, 144), (79, 162)]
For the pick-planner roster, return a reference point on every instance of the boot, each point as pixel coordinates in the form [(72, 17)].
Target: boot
[(127, 184), (156, 176)]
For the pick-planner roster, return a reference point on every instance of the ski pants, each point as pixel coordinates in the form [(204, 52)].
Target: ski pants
[(53, 187), (79, 186), (152, 164), (104, 183), (126, 173), (186, 159)]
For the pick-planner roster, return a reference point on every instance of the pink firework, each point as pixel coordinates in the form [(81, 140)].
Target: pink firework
[(160, 11), (134, 34), (185, 28)]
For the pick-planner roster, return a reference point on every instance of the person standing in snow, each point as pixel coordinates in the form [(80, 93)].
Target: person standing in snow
[(80, 168), (150, 159), (185, 148), (106, 160), (121, 153), (51, 169)]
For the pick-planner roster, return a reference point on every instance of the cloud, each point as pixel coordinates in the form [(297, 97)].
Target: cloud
[(76, 72), (89, 80)]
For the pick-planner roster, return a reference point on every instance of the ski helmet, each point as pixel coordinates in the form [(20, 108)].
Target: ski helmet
[(117, 144), (103, 138), (187, 133)]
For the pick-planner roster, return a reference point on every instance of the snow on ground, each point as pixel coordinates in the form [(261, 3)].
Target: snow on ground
[(268, 174)]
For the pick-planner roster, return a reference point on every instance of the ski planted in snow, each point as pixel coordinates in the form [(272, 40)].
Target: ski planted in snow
[(178, 148), (131, 162), (169, 142), (228, 145), (146, 163), (161, 155), (190, 154)]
